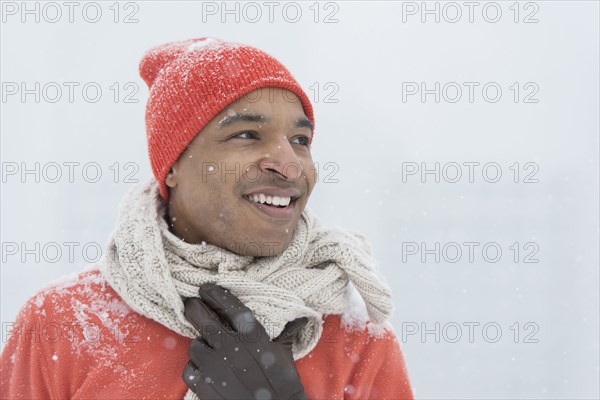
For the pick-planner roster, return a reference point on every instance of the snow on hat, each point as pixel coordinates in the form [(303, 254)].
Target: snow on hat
[(191, 82)]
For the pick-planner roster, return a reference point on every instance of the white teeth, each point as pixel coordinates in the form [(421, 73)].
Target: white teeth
[(274, 200)]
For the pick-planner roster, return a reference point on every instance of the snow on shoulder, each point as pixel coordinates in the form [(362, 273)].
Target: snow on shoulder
[(85, 305), (356, 317), (68, 280), (61, 285)]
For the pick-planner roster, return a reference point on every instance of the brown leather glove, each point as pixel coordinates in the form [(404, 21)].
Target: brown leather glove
[(234, 358)]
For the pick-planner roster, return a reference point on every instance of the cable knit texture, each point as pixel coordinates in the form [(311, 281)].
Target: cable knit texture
[(153, 270)]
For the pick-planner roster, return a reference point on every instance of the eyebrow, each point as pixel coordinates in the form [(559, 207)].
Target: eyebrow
[(302, 122)]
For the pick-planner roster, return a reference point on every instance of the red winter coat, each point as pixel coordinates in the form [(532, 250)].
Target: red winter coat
[(79, 340)]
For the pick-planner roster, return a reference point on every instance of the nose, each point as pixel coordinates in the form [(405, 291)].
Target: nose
[(281, 159)]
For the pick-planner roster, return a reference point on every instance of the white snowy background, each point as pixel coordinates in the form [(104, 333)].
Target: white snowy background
[(369, 135)]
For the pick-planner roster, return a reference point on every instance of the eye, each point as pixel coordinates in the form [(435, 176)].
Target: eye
[(301, 140), (245, 135)]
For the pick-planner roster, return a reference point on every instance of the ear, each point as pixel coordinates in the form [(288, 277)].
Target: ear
[(170, 180)]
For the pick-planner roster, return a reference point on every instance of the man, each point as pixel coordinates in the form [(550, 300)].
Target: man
[(217, 281)]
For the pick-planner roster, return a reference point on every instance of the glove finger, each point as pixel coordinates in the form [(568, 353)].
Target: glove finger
[(226, 378), (221, 376), (192, 377), (206, 321), (291, 330), (229, 308), (200, 351), (210, 376)]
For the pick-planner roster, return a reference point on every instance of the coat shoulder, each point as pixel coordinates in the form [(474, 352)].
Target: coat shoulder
[(80, 309), (71, 294)]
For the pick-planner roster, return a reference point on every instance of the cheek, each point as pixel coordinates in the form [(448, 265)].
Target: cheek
[(204, 182), (219, 202), (210, 209), (198, 195)]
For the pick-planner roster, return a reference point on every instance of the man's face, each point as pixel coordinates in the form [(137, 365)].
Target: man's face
[(244, 180)]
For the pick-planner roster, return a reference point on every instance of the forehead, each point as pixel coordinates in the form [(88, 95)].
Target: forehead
[(269, 105), (261, 107)]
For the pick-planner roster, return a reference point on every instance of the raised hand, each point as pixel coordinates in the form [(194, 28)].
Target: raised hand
[(234, 358)]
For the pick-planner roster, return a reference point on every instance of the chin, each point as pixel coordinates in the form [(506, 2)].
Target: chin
[(268, 245)]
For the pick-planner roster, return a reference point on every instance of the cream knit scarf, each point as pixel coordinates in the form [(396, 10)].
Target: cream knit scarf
[(152, 269)]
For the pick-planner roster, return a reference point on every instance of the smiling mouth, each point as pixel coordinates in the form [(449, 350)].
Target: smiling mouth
[(275, 208), (273, 201)]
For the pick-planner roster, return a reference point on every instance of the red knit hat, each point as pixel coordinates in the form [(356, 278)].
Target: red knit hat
[(191, 82)]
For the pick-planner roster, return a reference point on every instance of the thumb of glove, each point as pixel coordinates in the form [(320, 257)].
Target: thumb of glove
[(290, 331)]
